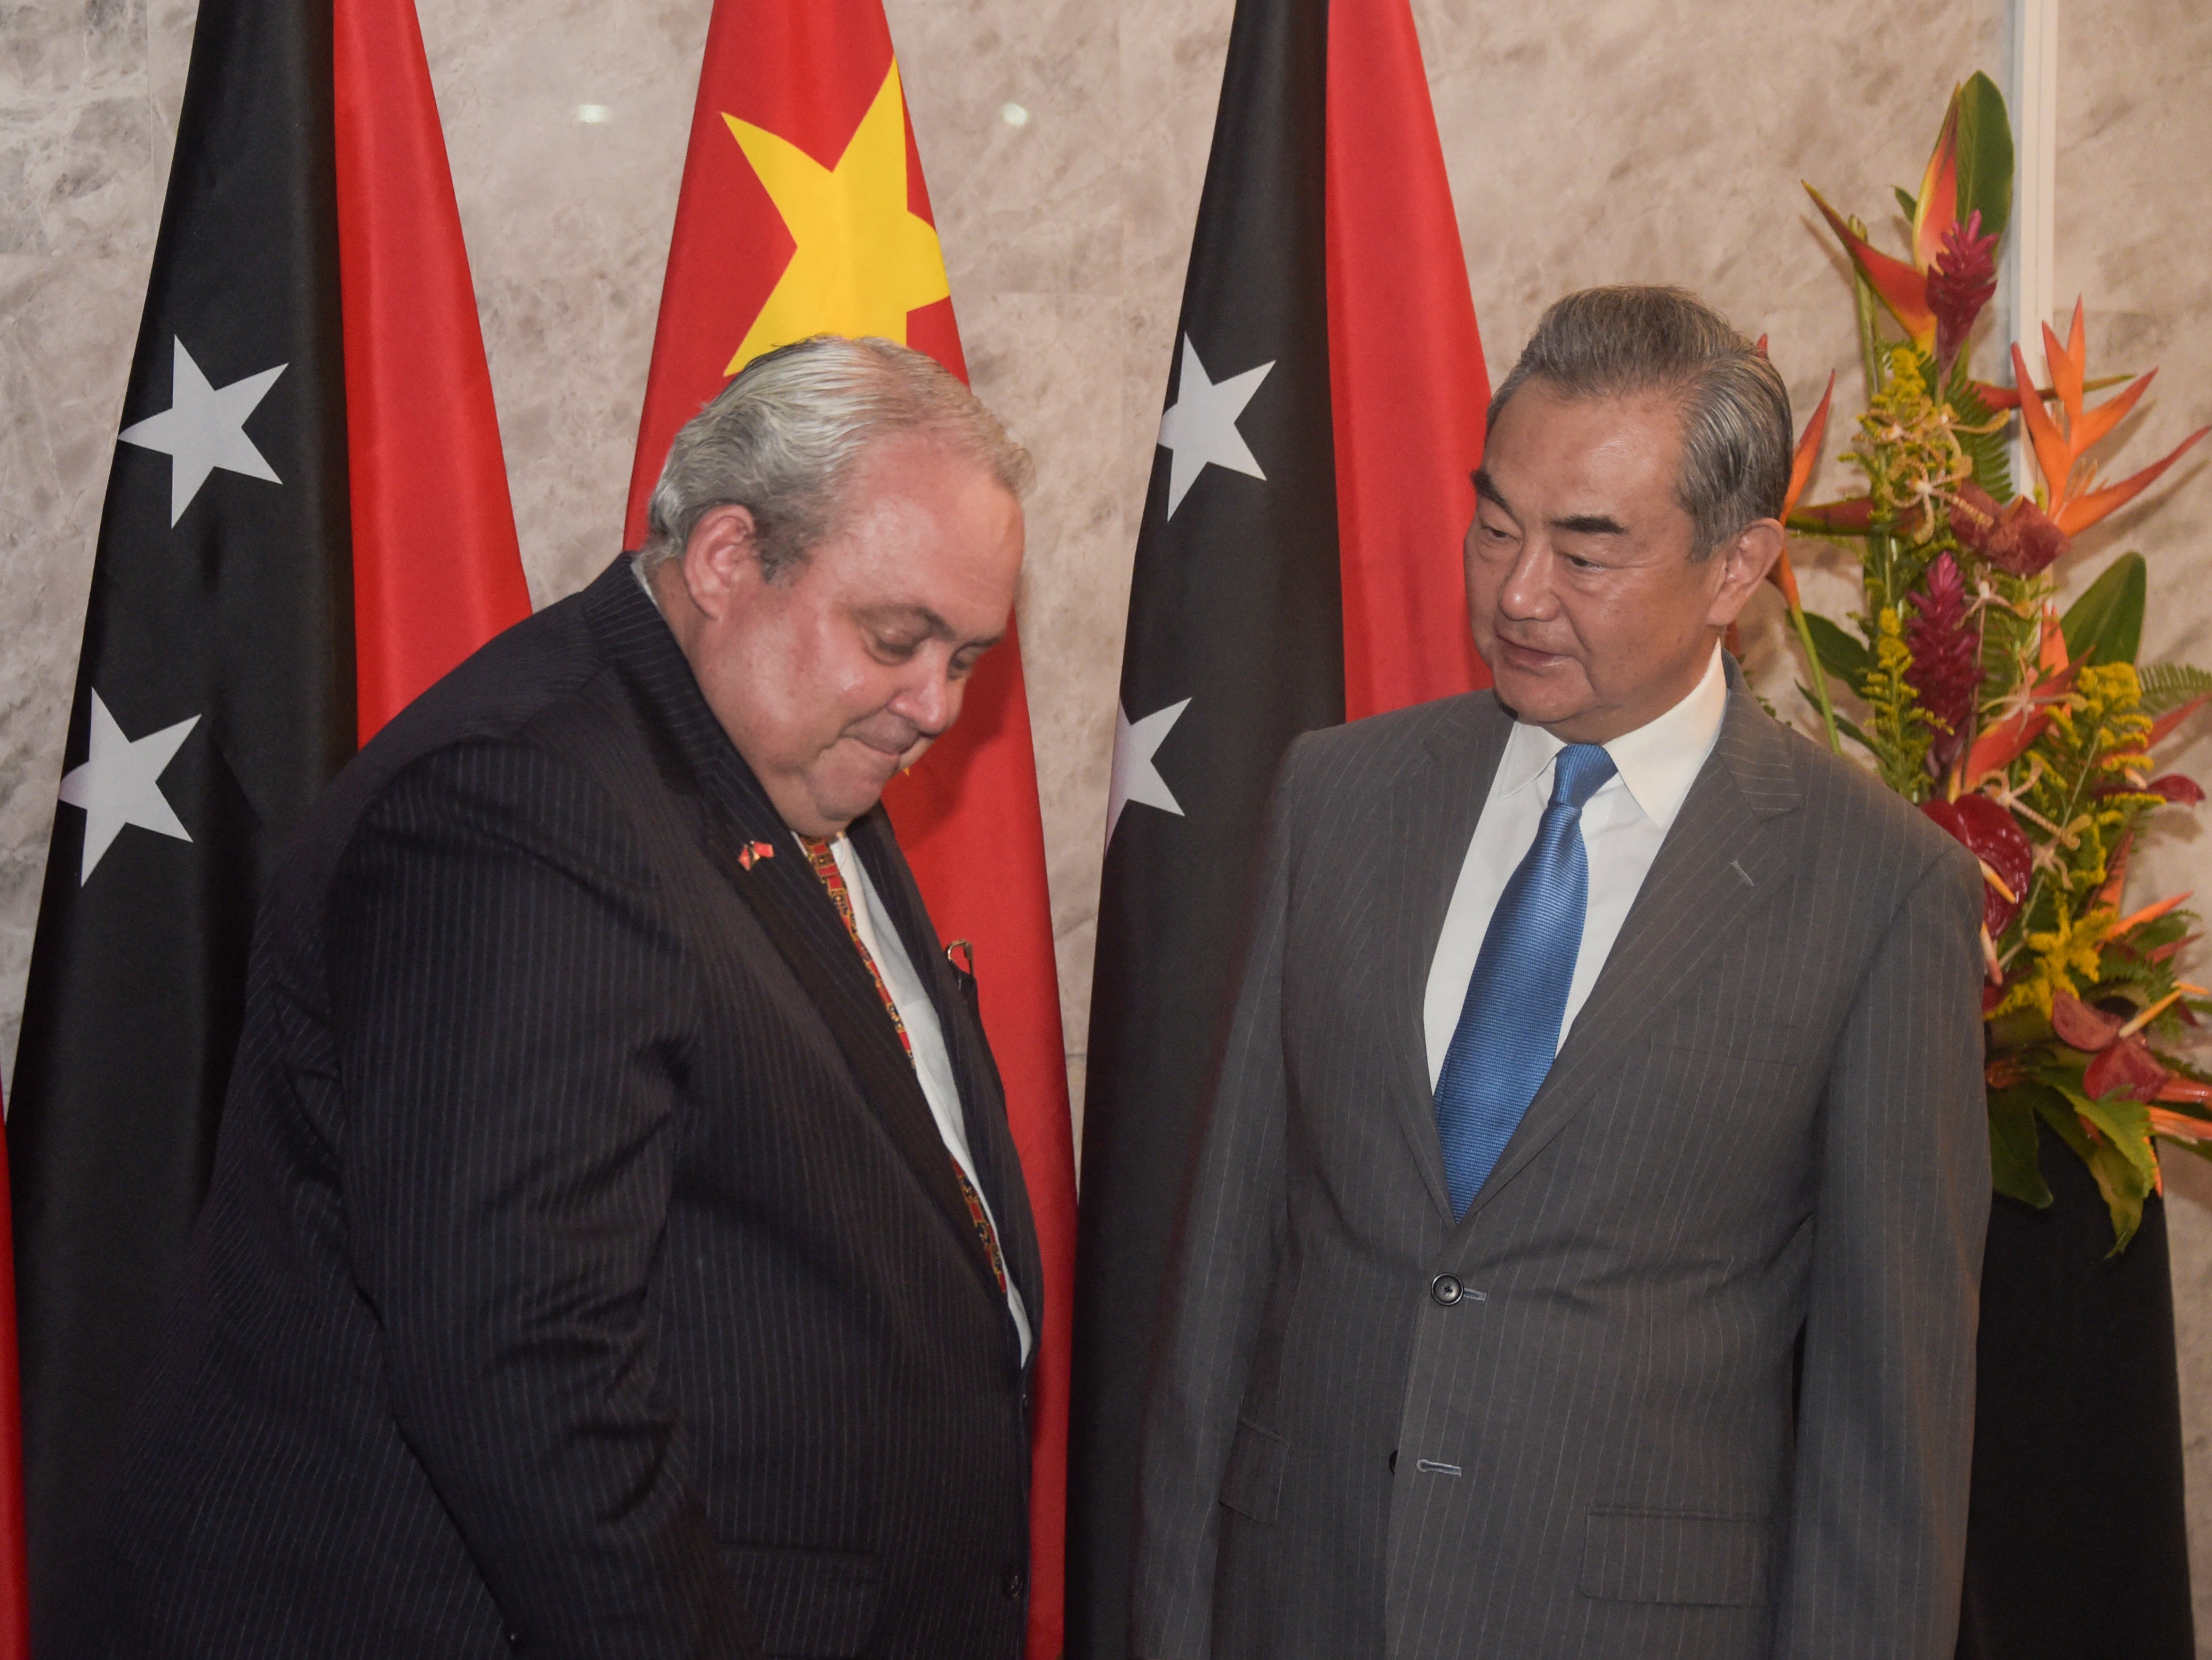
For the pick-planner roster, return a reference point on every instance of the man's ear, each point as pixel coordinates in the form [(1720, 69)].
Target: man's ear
[(1745, 558), (720, 561)]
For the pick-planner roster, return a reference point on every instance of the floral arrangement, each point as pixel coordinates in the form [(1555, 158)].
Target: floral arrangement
[(2026, 732)]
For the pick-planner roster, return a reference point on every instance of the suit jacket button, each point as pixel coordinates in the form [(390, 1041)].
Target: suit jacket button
[(1446, 1290), (1010, 1586)]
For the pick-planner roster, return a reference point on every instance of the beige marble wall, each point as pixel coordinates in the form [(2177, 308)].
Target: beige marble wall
[(1618, 139), (2134, 240)]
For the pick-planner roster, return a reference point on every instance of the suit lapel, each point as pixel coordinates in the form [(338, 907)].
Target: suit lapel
[(736, 819), (1725, 856), (1431, 818)]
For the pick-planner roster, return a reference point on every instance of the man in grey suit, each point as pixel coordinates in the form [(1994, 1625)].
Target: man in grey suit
[(1580, 1256)]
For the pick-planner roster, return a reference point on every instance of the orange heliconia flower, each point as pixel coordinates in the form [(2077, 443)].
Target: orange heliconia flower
[(2074, 501)]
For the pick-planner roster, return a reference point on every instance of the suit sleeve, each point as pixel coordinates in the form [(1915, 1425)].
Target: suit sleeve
[(1886, 1414), (511, 1005), (1219, 1268)]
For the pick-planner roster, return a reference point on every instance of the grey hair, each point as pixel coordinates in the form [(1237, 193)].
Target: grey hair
[(783, 438), (1621, 342)]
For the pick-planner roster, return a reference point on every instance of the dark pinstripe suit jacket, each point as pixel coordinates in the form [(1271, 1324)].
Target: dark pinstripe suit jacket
[(1766, 1122), (583, 1273)]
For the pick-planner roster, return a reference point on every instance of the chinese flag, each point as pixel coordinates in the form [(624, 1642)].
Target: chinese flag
[(803, 212)]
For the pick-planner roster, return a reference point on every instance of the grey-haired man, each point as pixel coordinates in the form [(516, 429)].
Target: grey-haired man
[(616, 1246), (1591, 1271)]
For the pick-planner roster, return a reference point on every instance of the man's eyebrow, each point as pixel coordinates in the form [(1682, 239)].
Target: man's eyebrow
[(927, 620), (930, 624), (1590, 524), (1576, 524)]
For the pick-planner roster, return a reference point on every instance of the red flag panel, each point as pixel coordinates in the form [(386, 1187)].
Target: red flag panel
[(437, 570), (1406, 382)]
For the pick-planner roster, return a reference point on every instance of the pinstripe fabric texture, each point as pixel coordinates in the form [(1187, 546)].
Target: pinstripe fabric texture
[(582, 1273), (1766, 1122)]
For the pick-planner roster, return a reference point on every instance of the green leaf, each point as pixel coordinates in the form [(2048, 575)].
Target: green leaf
[(1980, 434), (1985, 158), (1908, 202), (2122, 1158), (2169, 685), (1842, 657), (2125, 1122), (2105, 625), (2013, 1161)]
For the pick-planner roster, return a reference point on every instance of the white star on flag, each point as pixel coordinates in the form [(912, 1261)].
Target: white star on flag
[(117, 784), (1136, 777), (1201, 427), (203, 428)]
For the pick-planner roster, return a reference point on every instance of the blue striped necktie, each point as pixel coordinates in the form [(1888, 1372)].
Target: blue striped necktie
[(1508, 1026)]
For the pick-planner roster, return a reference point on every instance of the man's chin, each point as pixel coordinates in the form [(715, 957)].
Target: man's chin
[(853, 790), (1541, 697)]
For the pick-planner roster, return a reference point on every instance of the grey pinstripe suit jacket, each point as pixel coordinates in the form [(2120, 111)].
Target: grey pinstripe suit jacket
[(1767, 1122), (583, 1273)]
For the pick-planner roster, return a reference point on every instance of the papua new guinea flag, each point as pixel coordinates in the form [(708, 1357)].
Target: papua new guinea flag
[(1298, 564)]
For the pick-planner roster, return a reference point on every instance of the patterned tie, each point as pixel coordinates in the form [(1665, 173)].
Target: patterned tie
[(822, 854), (1508, 1026)]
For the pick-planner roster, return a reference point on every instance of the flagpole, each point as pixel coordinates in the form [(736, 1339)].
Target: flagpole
[(2032, 88)]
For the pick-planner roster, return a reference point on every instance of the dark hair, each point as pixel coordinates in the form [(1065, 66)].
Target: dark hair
[(1620, 342)]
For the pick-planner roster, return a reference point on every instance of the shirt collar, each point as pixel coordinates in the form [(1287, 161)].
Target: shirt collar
[(645, 582), (1658, 763)]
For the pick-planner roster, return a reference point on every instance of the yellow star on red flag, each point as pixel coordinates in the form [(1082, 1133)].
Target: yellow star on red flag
[(865, 259)]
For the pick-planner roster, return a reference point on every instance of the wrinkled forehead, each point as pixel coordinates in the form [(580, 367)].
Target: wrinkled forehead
[(1545, 445)]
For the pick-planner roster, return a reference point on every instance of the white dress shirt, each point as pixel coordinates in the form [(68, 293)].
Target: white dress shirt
[(1623, 824), (932, 1065)]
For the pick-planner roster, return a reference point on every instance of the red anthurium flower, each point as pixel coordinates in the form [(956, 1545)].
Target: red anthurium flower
[(2017, 537), (1960, 284), (2128, 1066), (1987, 831), (2119, 1059)]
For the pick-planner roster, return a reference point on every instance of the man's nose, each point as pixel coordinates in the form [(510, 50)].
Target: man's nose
[(929, 698), (1528, 590)]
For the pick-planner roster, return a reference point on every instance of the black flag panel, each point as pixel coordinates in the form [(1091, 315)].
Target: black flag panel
[(214, 698), (1235, 647)]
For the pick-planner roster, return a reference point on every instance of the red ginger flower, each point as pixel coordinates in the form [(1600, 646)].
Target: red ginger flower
[(1960, 284), (1946, 660)]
